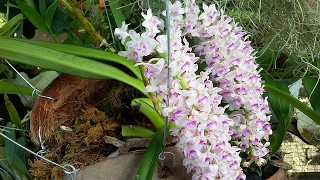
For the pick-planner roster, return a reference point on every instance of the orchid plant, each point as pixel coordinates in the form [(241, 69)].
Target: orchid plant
[(220, 112)]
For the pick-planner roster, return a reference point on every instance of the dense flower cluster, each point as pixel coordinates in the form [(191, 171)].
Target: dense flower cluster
[(210, 138)]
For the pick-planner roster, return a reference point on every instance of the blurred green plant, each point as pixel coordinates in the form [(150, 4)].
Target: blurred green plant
[(13, 160)]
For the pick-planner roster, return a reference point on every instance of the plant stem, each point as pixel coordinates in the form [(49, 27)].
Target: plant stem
[(153, 96), (95, 37), (294, 102), (66, 5)]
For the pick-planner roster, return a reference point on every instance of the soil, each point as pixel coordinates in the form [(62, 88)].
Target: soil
[(80, 141), (79, 145)]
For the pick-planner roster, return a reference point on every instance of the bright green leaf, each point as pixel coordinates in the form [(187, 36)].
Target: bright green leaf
[(8, 88), (136, 131), (99, 55), (150, 112), (116, 11), (13, 113), (88, 4), (66, 63), (151, 157), (146, 100)]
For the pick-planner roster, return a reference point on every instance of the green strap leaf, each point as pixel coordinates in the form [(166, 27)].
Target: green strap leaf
[(117, 13), (294, 102), (48, 58), (146, 100), (149, 111), (136, 131), (151, 157), (8, 88), (103, 56)]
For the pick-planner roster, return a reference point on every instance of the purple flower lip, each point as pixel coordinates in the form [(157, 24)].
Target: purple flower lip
[(191, 152), (236, 61), (246, 132), (192, 125), (259, 122), (203, 100), (267, 127)]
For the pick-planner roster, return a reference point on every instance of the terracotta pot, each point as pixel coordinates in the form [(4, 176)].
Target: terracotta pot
[(279, 175)]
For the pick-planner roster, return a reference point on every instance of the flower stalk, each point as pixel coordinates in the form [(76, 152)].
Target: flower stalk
[(95, 37)]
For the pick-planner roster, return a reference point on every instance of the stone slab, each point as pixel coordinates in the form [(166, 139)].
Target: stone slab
[(125, 167)]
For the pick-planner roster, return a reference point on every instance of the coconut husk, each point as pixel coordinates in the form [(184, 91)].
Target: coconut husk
[(71, 94)]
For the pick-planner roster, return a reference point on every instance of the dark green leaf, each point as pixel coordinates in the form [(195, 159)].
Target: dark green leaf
[(4, 175), (72, 38), (33, 16), (51, 11), (266, 56), (61, 20), (312, 88), (282, 110), (20, 152), (12, 5), (43, 8), (17, 166), (31, 3), (9, 146)]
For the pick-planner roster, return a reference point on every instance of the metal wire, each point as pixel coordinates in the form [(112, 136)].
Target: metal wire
[(71, 172), (14, 84), (35, 90), (111, 30), (162, 154)]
